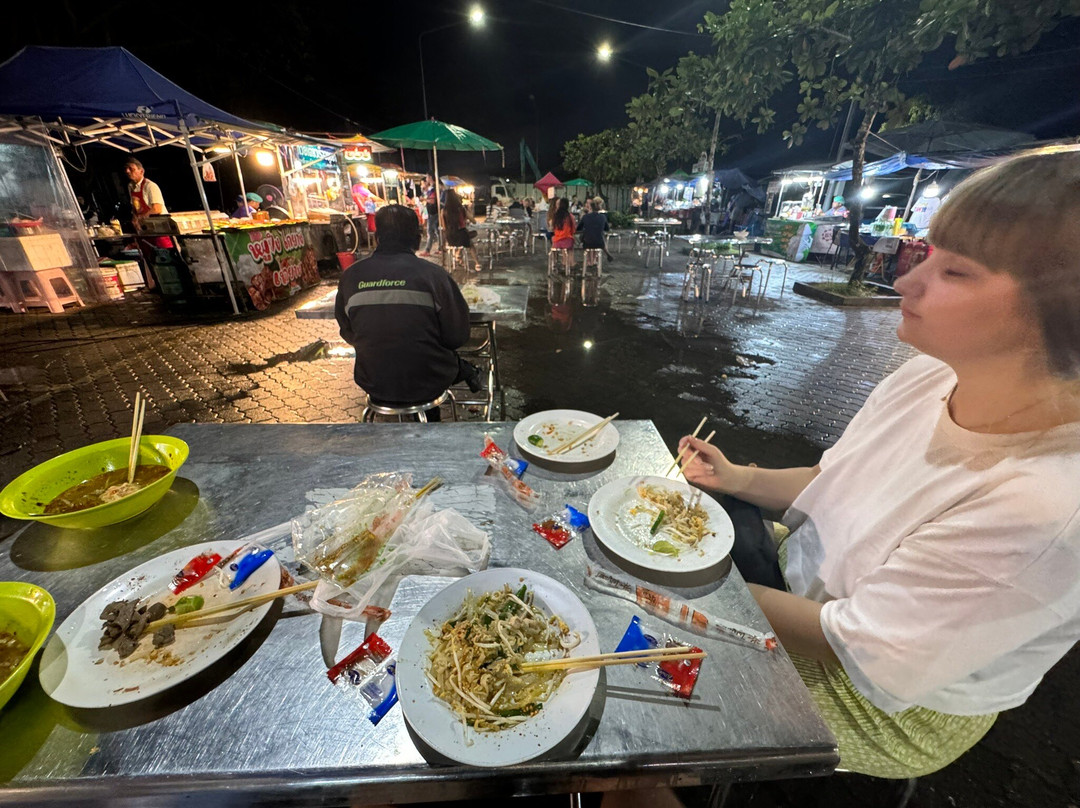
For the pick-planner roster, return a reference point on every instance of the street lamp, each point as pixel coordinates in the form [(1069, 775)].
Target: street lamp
[(603, 53), (475, 19)]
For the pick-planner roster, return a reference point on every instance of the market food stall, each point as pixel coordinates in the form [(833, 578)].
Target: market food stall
[(56, 98)]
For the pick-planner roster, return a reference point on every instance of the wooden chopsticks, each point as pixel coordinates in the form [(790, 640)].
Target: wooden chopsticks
[(580, 438), (682, 451), (237, 606), (618, 658), (693, 454), (136, 435), (427, 489)]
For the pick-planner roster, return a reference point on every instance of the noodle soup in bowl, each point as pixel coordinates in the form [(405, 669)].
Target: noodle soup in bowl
[(536, 734), (29, 494)]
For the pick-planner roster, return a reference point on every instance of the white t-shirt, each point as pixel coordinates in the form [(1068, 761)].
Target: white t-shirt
[(151, 193), (948, 561)]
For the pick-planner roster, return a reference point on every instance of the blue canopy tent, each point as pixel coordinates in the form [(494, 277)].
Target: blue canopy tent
[(77, 96), (920, 162), (890, 165)]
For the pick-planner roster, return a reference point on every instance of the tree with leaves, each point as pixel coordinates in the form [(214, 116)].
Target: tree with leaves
[(600, 157), (855, 52), (668, 126)]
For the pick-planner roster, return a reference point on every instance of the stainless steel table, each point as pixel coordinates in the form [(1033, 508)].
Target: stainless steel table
[(265, 724), (511, 308)]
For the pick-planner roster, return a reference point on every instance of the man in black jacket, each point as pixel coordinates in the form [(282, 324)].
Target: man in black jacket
[(405, 317)]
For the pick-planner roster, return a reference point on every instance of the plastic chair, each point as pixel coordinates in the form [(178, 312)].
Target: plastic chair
[(400, 410)]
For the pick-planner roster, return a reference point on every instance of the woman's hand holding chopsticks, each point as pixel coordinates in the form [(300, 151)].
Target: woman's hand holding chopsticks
[(710, 469)]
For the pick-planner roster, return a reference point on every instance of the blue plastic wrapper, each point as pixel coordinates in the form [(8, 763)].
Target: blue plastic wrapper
[(679, 675), (369, 672), (238, 567)]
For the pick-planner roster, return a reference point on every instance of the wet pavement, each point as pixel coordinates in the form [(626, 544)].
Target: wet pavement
[(777, 381)]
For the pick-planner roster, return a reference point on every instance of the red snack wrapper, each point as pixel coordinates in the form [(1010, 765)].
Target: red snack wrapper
[(679, 675), (510, 469), (364, 659), (194, 571), (553, 532)]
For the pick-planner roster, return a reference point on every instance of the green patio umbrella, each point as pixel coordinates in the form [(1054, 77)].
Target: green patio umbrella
[(435, 135), (680, 175), (579, 183)]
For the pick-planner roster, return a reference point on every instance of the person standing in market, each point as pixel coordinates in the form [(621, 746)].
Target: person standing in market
[(145, 195), (432, 208), (146, 200), (405, 317)]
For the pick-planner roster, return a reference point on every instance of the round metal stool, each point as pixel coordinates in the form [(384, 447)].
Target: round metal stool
[(556, 255), (594, 257), (420, 410), (457, 258)]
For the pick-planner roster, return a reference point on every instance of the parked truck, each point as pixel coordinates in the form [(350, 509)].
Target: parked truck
[(507, 190)]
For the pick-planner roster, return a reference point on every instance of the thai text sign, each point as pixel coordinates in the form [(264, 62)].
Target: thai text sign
[(272, 262)]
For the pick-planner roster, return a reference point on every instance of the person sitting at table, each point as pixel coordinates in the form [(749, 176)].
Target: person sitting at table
[(517, 210), (593, 226), (496, 211), (455, 223), (563, 229), (405, 317), (930, 579)]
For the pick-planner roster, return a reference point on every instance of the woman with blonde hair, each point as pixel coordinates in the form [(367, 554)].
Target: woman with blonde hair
[(932, 573)]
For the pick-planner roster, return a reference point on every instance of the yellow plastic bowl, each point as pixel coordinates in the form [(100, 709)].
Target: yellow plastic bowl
[(26, 496), (28, 612)]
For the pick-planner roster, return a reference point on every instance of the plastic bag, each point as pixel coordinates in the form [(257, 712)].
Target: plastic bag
[(425, 543), (341, 541)]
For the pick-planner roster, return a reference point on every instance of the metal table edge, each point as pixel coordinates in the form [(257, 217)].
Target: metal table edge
[(469, 782)]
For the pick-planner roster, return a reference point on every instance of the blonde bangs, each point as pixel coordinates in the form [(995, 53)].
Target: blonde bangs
[(1023, 217)]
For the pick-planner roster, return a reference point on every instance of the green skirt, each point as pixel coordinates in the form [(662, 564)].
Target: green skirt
[(911, 743)]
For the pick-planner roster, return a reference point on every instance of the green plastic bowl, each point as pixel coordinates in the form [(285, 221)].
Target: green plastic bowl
[(28, 612), (25, 497)]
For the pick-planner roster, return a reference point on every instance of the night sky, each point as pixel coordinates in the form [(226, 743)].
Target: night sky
[(530, 72)]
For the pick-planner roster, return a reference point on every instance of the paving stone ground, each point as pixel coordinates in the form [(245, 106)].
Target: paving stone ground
[(777, 381)]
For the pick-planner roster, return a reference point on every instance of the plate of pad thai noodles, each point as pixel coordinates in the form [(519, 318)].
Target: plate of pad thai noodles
[(459, 674), (661, 524)]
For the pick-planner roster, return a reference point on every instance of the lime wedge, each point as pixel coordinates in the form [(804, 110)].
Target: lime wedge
[(664, 547)]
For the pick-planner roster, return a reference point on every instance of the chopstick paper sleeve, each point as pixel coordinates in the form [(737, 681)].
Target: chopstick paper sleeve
[(675, 611)]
